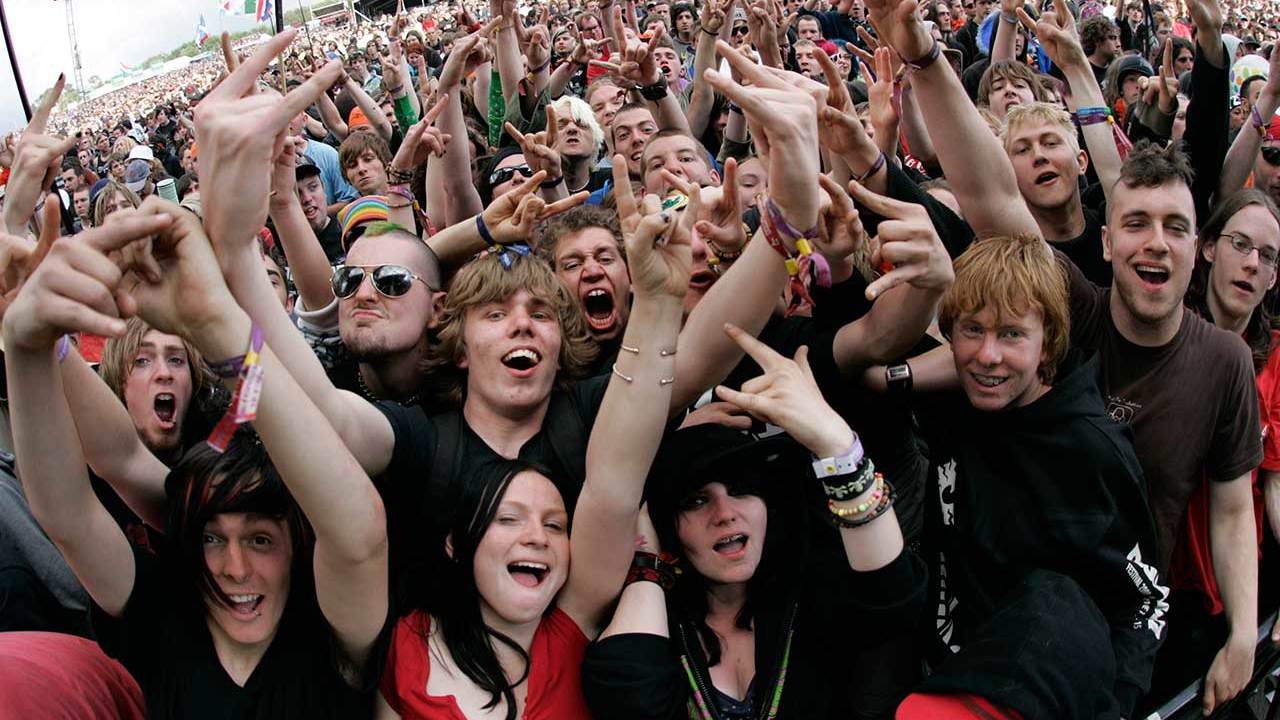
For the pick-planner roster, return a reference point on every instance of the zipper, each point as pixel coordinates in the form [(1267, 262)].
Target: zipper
[(699, 682), (768, 703)]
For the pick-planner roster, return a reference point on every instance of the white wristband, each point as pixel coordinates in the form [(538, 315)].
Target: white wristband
[(845, 464)]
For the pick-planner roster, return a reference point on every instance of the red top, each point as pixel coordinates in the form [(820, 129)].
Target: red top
[(1192, 564), (52, 675), (555, 663)]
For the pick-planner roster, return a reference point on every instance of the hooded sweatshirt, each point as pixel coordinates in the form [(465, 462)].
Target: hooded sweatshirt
[(1054, 485)]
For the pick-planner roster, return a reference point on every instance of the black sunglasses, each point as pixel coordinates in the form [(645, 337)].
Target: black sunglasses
[(501, 175), (1271, 154), (740, 30), (391, 281)]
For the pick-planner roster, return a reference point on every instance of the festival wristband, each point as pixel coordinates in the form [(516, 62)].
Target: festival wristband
[(843, 464), (244, 404)]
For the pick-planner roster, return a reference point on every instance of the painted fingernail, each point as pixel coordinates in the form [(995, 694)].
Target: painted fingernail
[(666, 217)]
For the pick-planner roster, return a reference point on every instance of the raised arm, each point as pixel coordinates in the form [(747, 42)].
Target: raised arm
[(236, 129), (975, 164), (190, 298), (1005, 42), (507, 51), (628, 428), (1244, 151), (702, 98), (370, 108), (787, 141), (73, 289), (37, 159), (307, 261), (331, 118)]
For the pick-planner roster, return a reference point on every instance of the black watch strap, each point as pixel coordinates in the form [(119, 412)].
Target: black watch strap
[(656, 91)]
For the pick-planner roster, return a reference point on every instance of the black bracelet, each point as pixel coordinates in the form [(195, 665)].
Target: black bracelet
[(712, 34), (863, 476), (548, 184), (484, 231), (928, 59)]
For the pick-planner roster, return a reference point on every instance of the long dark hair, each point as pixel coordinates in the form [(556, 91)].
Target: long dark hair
[(206, 483), (781, 561), (1258, 333), (455, 604)]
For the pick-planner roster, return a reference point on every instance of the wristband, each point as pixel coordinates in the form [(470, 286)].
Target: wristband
[(877, 491), (660, 569), (244, 404), (64, 347), (861, 481), (548, 184), (540, 68), (1092, 116), (735, 109), (928, 59), (875, 168), (843, 464), (712, 34), (656, 91), (1258, 125), (484, 231), (1011, 19), (396, 176), (843, 518)]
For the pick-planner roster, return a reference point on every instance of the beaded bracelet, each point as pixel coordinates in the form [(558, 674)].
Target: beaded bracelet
[(396, 176), (886, 500), (877, 491)]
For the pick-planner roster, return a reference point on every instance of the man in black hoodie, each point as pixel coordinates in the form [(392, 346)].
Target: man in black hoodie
[(1040, 533)]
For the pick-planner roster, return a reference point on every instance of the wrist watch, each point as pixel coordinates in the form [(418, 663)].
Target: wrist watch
[(656, 91), (898, 379)]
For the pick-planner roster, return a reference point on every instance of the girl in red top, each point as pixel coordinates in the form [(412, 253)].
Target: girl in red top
[(508, 620)]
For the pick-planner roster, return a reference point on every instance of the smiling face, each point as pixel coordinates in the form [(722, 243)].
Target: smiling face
[(722, 533), (631, 130), (1150, 242), (998, 358), (1239, 280), (250, 557), (157, 391), (373, 325), (511, 353), (1045, 162), (522, 560), (590, 264)]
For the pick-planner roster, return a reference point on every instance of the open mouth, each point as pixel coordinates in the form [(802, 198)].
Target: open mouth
[(246, 604), (521, 359), (166, 406), (701, 280), (1045, 178), (989, 381), (731, 545), (1152, 275), (598, 305), (528, 574), (1244, 286)]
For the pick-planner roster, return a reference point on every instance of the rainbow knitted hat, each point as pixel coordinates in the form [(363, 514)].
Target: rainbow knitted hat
[(358, 212)]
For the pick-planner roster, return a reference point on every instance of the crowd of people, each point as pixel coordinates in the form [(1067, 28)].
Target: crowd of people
[(756, 358)]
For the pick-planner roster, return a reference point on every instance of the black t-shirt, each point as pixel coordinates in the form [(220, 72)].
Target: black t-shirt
[(1192, 403), (169, 651), (1085, 250), (331, 240)]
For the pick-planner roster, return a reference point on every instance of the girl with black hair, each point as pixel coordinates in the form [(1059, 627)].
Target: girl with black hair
[(501, 630), (248, 610), (768, 619)]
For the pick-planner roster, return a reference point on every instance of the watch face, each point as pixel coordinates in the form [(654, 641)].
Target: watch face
[(899, 372)]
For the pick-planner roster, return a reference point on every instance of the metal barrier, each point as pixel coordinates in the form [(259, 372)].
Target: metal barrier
[(1185, 705)]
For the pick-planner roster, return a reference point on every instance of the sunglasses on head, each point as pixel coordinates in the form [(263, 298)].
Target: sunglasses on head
[(1271, 154), (502, 175), (391, 281)]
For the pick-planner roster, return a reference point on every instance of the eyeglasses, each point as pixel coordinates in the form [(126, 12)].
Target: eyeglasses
[(502, 175), (1266, 255), (740, 30), (391, 281), (1271, 154)]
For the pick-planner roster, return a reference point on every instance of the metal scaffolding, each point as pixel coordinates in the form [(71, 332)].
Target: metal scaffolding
[(76, 75)]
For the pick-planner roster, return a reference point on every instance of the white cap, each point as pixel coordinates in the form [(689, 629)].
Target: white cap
[(142, 152)]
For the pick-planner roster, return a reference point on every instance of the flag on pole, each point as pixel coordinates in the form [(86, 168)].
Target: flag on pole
[(265, 11), (202, 32), (261, 10)]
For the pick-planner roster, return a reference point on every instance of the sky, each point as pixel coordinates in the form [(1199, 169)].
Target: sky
[(110, 32)]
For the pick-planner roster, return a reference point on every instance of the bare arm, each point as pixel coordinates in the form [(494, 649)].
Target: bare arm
[(933, 371), (331, 118), (507, 55), (625, 436), (1233, 544), (914, 131), (702, 99), (370, 108), (309, 265), (974, 161), (1244, 151), (1005, 42)]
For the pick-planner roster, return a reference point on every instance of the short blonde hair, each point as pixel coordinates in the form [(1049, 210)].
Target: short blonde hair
[(485, 280), (572, 107), (1013, 275), (1042, 112)]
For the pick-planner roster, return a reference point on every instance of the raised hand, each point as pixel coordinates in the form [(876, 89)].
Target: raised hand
[(467, 54), (511, 217), (36, 161), (840, 233), (422, 141), (77, 285), (786, 395), (1056, 31), (1163, 88), (898, 25), (906, 243), (635, 65), (19, 256), (782, 112), (713, 15), (240, 132), (584, 51), (720, 221), (884, 113), (536, 46), (539, 148), (659, 246)]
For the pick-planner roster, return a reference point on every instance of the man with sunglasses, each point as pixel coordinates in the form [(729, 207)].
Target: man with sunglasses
[(1256, 148)]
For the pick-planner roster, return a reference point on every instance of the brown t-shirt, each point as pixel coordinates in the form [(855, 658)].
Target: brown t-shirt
[(1191, 403)]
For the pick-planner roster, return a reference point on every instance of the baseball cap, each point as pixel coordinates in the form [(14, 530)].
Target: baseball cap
[(136, 174), (141, 152), (306, 168), (356, 118)]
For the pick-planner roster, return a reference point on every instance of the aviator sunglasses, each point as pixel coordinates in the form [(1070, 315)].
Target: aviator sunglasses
[(390, 281)]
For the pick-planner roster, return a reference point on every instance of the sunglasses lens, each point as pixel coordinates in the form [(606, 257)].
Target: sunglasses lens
[(347, 280), (1271, 155), (392, 280)]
